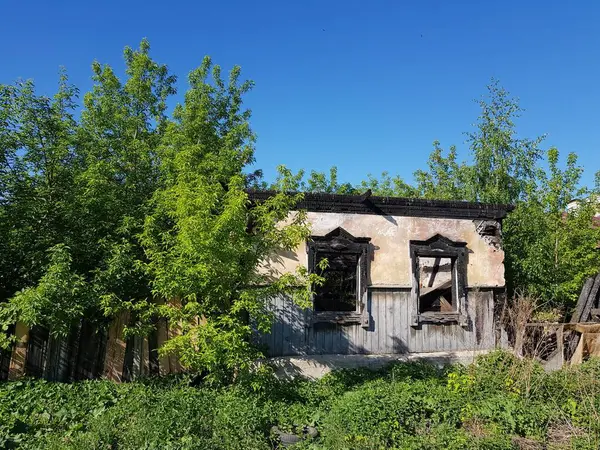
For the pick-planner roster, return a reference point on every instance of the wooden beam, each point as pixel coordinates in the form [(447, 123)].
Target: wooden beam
[(583, 298), (591, 300)]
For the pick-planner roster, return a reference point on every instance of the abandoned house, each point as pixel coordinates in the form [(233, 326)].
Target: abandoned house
[(403, 276)]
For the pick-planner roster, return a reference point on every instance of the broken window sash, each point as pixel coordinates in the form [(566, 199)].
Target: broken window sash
[(439, 281), (435, 285)]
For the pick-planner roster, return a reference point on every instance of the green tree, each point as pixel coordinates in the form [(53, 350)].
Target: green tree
[(446, 179), (39, 166), (203, 243), (550, 250), (128, 209), (316, 182)]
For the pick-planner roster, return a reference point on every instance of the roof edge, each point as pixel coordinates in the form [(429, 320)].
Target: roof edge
[(392, 206)]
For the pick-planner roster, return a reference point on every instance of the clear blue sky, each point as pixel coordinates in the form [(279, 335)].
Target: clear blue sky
[(364, 85)]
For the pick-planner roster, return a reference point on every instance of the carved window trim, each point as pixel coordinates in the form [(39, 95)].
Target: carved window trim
[(339, 240), (439, 246)]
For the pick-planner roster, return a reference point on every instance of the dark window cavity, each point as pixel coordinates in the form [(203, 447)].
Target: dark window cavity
[(345, 274), (339, 291)]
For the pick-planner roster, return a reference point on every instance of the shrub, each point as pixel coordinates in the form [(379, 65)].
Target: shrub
[(500, 402)]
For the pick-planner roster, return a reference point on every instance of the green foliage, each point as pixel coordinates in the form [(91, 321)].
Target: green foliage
[(287, 181), (59, 295), (491, 404), (128, 208)]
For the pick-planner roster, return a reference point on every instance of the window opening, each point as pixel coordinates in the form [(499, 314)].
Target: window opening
[(435, 285), (439, 268), (341, 297), (339, 290)]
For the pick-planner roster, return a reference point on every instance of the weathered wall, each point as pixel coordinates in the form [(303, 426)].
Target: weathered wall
[(390, 332), (390, 236)]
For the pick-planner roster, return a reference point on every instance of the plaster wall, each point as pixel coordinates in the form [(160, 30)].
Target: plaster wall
[(390, 237)]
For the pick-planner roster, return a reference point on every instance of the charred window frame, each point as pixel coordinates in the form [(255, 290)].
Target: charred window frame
[(445, 302), (347, 270)]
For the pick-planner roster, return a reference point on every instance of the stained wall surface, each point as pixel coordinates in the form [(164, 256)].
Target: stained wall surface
[(390, 238)]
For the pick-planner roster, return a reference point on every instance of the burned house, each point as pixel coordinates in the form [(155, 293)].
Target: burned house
[(402, 276)]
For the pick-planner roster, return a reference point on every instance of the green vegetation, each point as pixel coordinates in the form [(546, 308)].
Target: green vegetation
[(499, 402), (127, 209)]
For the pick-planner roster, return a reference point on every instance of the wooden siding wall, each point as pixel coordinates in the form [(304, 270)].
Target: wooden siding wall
[(389, 333)]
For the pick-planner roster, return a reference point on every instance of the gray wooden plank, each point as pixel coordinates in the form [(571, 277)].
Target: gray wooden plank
[(443, 340), (432, 338), (454, 335), (383, 319), (413, 346), (336, 340), (343, 339), (436, 338), (489, 338), (319, 341), (391, 326), (403, 318), (306, 331), (312, 348), (583, 299), (283, 313), (389, 318), (374, 323), (270, 340), (419, 337), (358, 338), (272, 337), (299, 331), (327, 340), (396, 333), (297, 336), (382, 323), (352, 348), (278, 335), (462, 336), (352, 344), (383, 338), (286, 334), (331, 335)]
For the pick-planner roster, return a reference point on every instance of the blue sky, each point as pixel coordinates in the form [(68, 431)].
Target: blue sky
[(366, 86)]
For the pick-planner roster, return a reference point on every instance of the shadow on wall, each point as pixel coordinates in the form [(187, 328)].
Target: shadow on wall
[(295, 333)]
